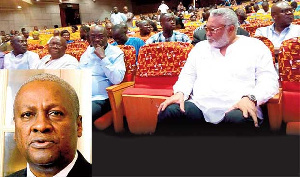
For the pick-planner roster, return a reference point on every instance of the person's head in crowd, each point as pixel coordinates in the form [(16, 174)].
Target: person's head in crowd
[(84, 30), (248, 9), (179, 23), (115, 10), (19, 44), (119, 34), (47, 123), (255, 7), (12, 32), (294, 5), (265, 6), (57, 47), (98, 36), (35, 28), (56, 32), (25, 34), (241, 14), (145, 27), (2, 33), (36, 35), (65, 34), (205, 15), (221, 27), (55, 26), (193, 18), (45, 27), (162, 2), (153, 25), (7, 38), (282, 14), (22, 29), (125, 9), (108, 27), (17, 32), (150, 16), (180, 15), (142, 17), (167, 22), (74, 28)]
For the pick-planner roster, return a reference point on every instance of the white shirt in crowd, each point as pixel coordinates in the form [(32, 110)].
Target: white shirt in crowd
[(118, 18), (27, 60), (163, 8), (65, 62), (218, 82)]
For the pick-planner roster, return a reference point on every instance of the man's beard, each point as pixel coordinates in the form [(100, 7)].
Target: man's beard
[(223, 41)]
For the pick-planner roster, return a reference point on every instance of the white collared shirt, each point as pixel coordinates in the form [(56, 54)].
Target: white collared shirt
[(63, 173), (218, 82), (27, 60), (65, 62), (269, 32)]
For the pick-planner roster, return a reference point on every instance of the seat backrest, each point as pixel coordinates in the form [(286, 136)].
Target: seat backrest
[(159, 64), (77, 48), (129, 59), (269, 44), (289, 73)]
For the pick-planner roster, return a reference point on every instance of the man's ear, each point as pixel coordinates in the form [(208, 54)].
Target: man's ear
[(79, 125)]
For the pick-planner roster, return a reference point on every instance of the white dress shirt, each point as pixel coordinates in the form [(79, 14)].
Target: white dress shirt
[(269, 32), (27, 60), (63, 173), (218, 82), (65, 62), (163, 8)]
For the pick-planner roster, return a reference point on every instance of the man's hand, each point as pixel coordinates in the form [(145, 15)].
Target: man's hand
[(99, 51), (248, 108), (176, 98)]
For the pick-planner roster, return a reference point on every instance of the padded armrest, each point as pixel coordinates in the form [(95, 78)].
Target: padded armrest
[(275, 111), (115, 99)]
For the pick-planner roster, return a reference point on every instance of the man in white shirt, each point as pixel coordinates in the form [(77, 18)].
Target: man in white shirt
[(282, 28), (163, 8), (57, 59), (19, 57), (117, 17), (48, 125), (219, 83)]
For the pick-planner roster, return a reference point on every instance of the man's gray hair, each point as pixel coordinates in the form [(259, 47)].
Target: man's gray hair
[(227, 14), (72, 95)]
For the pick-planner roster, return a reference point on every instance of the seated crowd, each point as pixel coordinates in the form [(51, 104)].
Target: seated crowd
[(217, 32)]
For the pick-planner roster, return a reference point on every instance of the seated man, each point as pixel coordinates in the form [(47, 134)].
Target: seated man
[(57, 57), (107, 65), (119, 35), (55, 33), (265, 8), (145, 30), (168, 24), (219, 83), (66, 34), (282, 28), (20, 57), (47, 127)]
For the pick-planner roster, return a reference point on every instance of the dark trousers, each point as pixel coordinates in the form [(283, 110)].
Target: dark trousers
[(99, 108), (193, 114)]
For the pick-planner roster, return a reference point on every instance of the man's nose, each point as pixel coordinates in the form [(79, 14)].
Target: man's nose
[(42, 124)]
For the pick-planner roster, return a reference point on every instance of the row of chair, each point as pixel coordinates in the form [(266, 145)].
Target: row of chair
[(158, 68)]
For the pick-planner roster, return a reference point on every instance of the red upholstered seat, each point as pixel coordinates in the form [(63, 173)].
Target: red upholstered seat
[(269, 44), (286, 107), (159, 65), (115, 116)]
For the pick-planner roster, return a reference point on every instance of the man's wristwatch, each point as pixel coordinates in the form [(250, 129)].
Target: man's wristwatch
[(251, 98)]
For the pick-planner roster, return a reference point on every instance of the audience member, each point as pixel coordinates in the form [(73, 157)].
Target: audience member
[(167, 21), (66, 34), (282, 28), (219, 83), (57, 58), (5, 46), (107, 65), (129, 16), (145, 30), (120, 37), (20, 57), (117, 17), (265, 8), (180, 7), (242, 16), (84, 31), (163, 8)]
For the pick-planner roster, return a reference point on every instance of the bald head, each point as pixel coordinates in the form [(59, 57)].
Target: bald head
[(98, 36), (56, 33), (282, 14)]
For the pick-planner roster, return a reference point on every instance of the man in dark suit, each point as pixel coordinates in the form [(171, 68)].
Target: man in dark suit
[(47, 127), (200, 34)]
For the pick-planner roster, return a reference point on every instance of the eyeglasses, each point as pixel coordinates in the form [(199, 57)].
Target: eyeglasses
[(286, 11), (55, 44), (213, 30)]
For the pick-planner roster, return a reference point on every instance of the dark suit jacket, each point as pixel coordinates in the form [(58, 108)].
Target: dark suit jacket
[(200, 35), (81, 168)]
